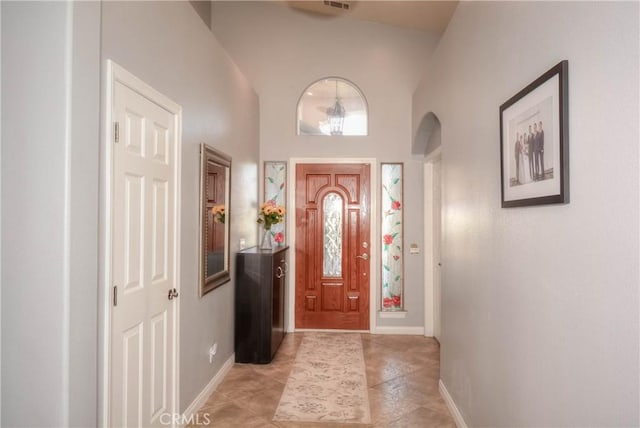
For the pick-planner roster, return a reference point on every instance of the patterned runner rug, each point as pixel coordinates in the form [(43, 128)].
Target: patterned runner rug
[(328, 382)]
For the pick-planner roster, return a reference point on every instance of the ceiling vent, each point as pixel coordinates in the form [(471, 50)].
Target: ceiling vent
[(338, 4), (325, 8)]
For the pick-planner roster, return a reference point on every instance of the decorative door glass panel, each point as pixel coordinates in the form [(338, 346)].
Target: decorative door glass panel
[(275, 190), (392, 239), (332, 231)]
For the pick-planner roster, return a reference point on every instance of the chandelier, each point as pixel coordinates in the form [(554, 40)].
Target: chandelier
[(335, 115)]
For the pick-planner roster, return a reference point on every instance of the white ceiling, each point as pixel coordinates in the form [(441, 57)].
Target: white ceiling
[(430, 16)]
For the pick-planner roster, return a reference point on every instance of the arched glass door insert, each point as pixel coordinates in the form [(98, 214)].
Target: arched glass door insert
[(332, 106), (332, 232)]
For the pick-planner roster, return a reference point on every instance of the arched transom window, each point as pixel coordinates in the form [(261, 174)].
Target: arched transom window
[(332, 106)]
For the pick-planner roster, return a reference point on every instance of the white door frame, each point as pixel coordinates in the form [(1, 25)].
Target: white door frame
[(429, 244), (373, 230), (115, 73)]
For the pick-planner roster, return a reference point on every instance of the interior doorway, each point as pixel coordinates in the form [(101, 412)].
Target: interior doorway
[(142, 253), (433, 239), (437, 239), (427, 143)]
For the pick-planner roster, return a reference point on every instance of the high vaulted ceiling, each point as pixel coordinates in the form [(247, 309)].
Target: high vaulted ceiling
[(430, 16)]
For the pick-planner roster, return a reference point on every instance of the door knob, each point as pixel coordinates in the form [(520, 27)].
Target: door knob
[(173, 293), (365, 256)]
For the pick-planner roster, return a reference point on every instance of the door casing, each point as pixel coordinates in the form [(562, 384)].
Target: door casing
[(373, 228), (432, 256), (115, 73)]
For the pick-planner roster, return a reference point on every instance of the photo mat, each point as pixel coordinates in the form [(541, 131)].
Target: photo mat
[(534, 142)]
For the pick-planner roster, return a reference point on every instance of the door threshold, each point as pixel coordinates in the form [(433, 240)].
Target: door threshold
[(328, 330)]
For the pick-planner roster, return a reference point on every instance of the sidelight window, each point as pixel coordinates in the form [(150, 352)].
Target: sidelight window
[(392, 239), (275, 191)]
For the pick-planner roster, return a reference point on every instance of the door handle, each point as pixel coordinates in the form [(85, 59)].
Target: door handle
[(173, 293), (364, 256), (279, 274)]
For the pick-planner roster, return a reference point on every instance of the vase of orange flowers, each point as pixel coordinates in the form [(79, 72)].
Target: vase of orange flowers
[(218, 212), (270, 214)]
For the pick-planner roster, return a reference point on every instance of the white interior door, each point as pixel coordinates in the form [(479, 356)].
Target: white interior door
[(144, 233), (437, 236)]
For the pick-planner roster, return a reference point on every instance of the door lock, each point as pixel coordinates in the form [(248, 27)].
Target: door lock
[(365, 256), (173, 293)]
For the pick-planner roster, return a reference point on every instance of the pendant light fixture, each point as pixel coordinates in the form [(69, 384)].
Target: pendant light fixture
[(335, 115)]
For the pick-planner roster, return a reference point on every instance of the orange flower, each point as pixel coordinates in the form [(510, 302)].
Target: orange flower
[(270, 214), (218, 212)]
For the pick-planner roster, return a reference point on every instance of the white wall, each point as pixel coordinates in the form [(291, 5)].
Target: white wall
[(203, 9), (82, 220), (51, 68), (540, 304), (0, 216), (167, 45), (50, 78), (33, 232), (282, 51)]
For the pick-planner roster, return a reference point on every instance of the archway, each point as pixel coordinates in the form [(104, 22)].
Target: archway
[(427, 142), (428, 136)]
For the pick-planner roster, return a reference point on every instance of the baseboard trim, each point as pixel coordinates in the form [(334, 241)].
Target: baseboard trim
[(457, 416), (320, 330), (413, 331), (208, 390), (392, 314), (418, 331)]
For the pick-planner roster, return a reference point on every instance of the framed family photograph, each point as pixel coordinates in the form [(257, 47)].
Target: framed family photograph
[(534, 142)]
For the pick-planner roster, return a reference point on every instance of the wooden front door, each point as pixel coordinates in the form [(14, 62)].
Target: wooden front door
[(332, 246)]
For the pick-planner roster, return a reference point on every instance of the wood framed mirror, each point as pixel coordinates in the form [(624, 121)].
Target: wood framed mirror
[(215, 184)]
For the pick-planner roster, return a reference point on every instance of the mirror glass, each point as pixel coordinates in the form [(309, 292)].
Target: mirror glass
[(215, 170)]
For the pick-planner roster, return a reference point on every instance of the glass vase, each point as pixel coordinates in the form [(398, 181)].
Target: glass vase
[(266, 240)]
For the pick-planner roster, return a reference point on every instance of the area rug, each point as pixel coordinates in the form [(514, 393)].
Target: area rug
[(328, 381)]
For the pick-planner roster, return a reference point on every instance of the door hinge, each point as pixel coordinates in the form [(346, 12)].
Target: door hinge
[(115, 295), (116, 132)]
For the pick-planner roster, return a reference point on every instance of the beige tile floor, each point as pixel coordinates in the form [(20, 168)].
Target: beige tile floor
[(402, 377)]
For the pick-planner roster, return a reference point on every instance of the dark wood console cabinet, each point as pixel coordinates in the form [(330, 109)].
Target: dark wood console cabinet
[(259, 312)]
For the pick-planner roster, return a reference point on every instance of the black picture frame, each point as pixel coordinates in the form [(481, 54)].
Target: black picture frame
[(534, 165)]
